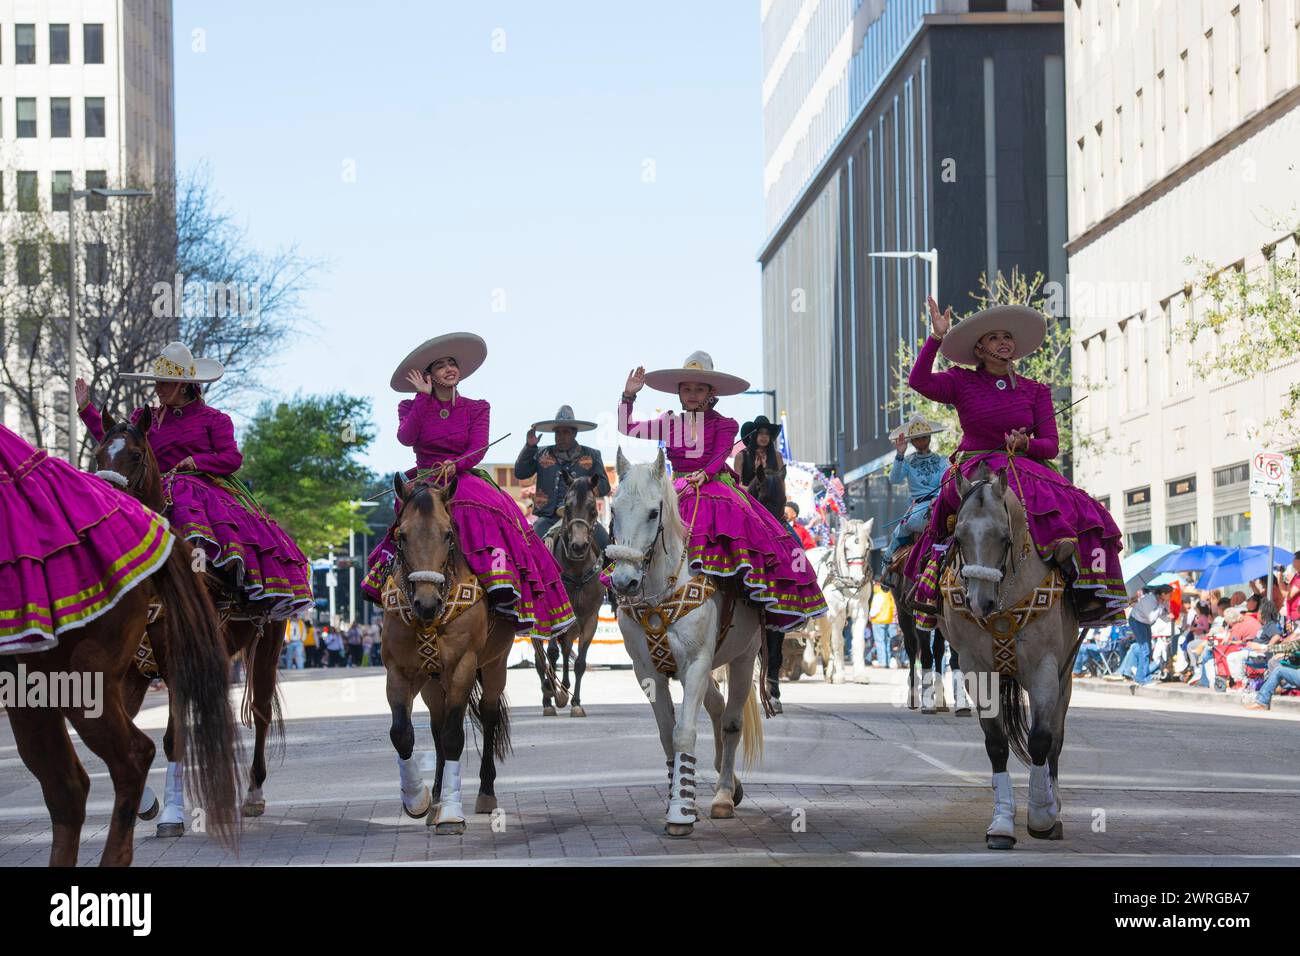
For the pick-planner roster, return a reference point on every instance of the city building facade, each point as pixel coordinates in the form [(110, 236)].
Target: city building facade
[(86, 100), (897, 126), (1170, 103)]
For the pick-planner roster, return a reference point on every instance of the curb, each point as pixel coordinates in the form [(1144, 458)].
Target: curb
[(1230, 700)]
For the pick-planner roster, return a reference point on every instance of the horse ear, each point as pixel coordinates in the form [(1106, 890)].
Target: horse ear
[(566, 481), (594, 480), (447, 490), (621, 464), (983, 473), (145, 422), (399, 486), (659, 464), (1002, 481), (867, 528), (109, 421), (760, 473), (963, 486)]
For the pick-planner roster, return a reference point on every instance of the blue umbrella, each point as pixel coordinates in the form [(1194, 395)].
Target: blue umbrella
[(1140, 567), (1194, 559), (1241, 565)]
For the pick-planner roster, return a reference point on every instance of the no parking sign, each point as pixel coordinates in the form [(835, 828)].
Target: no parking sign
[(1270, 476)]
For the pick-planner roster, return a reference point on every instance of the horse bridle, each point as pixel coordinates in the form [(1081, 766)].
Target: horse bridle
[(129, 483), (410, 577), (1006, 566), (619, 552)]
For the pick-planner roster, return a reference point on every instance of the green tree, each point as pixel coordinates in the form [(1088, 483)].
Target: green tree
[(300, 457), (1050, 365), (1247, 328)]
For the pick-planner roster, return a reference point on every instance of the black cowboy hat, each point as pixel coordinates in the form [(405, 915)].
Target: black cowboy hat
[(750, 429)]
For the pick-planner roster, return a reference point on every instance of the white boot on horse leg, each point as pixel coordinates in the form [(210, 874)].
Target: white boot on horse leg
[(1001, 834), (149, 805), (961, 700), (928, 683), (449, 819), (416, 798), (171, 823), (1044, 809), (680, 820)]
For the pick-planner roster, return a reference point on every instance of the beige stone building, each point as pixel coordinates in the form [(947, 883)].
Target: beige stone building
[(1183, 133)]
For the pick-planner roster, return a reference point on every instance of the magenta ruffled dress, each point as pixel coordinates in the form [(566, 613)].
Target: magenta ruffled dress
[(236, 535), (1057, 510), (489, 525), (70, 546), (731, 533)]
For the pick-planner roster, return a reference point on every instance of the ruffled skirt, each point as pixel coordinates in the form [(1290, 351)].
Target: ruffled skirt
[(241, 541), (514, 567), (1057, 511), (70, 546)]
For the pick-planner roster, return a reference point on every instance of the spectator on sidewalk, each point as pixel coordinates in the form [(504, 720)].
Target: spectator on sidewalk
[(1148, 608), (1090, 656), (884, 619), (1292, 591), (354, 645), (376, 648), (334, 647), (295, 632), (1283, 669), (312, 645)]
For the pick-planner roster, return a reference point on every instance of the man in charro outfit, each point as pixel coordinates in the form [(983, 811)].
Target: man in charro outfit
[(922, 472), (565, 457)]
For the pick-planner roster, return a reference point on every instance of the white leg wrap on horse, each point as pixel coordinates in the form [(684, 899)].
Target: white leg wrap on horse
[(1043, 806), (173, 796), (415, 795), (681, 794), (147, 799), (1004, 806), (449, 808), (927, 689)]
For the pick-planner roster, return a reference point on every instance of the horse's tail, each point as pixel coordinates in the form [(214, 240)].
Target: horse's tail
[(751, 729), (1015, 718), (276, 718), (501, 744), (198, 676)]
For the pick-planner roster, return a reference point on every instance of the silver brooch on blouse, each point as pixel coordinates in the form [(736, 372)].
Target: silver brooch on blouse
[(1002, 386), (444, 413)]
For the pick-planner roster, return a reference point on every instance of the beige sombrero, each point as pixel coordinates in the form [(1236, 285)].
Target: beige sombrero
[(698, 367), (563, 419), (1027, 326), (916, 427), (178, 364), (468, 349)]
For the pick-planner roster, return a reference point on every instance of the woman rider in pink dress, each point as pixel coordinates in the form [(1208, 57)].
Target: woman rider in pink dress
[(449, 433), (207, 505), (1009, 422), (731, 534)]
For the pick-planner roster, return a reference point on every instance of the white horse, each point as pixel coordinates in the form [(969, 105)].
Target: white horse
[(1005, 611), (661, 602), (844, 575)]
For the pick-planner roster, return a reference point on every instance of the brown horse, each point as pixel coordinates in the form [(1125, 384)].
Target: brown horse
[(441, 642), (573, 545), (199, 703), (125, 458)]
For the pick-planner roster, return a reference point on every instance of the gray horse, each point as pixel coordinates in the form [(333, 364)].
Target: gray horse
[(1006, 612)]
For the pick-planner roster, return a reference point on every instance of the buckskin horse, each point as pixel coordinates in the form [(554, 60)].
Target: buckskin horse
[(125, 458), (186, 636), (442, 642), (573, 546), (1006, 609), (683, 629)]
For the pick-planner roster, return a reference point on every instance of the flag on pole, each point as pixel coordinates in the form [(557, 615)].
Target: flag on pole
[(783, 441)]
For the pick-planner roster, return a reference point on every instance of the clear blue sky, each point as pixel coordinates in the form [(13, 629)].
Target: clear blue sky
[(475, 171)]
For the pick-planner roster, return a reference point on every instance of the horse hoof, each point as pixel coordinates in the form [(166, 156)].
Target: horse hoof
[(420, 814), (170, 830), (453, 828), (485, 803), (963, 712), (548, 711), (1001, 842), (679, 829), (253, 808), (940, 710), (151, 812), (737, 795), (577, 711), (928, 710), (1057, 832), (722, 811)]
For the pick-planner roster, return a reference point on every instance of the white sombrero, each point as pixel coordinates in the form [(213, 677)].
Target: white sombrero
[(178, 364), (563, 419), (698, 367), (468, 349), (1027, 326), (916, 427)]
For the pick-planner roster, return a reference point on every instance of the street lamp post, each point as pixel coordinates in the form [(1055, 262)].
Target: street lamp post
[(352, 564), (766, 391), (932, 257), (73, 196)]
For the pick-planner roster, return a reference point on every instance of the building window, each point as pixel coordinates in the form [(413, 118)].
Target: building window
[(1232, 475), (96, 263), (28, 191), (96, 179), (29, 264), (60, 116), (25, 43), (59, 264), (92, 39), (60, 45), (26, 117), (60, 187), (1181, 535), (1137, 540), (1232, 531), (94, 116)]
